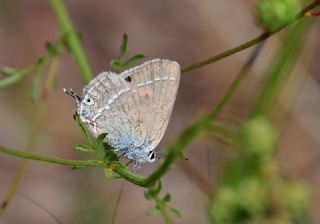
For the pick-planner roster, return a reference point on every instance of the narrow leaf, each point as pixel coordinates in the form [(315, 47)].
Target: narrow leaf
[(83, 148), (152, 212), (99, 141), (110, 156), (167, 198), (175, 212), (40, 60), (10, 80), (52, 49), (8, 71), (84, 130), (147, 195), (115, 64), (132, 60), (124, 45)]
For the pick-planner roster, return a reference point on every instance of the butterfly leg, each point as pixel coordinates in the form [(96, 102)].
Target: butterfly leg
[(136, 167), (130, 162)]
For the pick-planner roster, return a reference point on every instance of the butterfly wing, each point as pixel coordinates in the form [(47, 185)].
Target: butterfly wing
[(134, 108), (154, 88)]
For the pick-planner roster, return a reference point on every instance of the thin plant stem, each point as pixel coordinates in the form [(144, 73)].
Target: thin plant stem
[(116, 207), (246, 45), (72, 39), (51, 159), (24, 163), (40, 107), (26, 197)]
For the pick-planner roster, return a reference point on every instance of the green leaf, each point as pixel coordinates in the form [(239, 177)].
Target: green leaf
[(115, 64), (159, 206), (84, 130), (110, 156), (167, 198), (152, 212), (40, 60), (7, 71), (36, 82), (84, 148), (107, 147), (132, 60), (175, 212), (52, 49), (99, 141), (124, 45), (14, 78), (147, 195)]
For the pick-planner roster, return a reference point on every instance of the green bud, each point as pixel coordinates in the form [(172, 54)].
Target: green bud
[(276, 13), (222, 207), (258, 137), (252, 196), (296, 198)]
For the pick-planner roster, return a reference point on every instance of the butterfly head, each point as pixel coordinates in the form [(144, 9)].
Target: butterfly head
[(84, 108)]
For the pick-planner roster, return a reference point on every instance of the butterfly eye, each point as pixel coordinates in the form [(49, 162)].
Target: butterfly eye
[(89, 101)]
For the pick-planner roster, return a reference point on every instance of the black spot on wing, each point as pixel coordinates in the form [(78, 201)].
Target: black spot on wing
[(128, 79)]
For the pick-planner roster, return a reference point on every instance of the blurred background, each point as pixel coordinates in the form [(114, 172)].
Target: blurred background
[(182, 30)]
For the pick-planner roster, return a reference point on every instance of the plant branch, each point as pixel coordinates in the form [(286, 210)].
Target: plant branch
[(72, 39), (49, 159), (246, 45)]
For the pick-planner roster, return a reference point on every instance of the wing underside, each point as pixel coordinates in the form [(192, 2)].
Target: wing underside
[(136, 105)]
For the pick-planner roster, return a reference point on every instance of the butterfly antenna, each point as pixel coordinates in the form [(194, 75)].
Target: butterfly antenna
[(72, 94)]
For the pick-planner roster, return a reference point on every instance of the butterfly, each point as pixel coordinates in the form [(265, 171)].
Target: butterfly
[(133, 108)]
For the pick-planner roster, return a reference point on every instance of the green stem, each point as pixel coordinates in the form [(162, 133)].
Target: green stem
[(56, 160), (72, 39), (246, 45)]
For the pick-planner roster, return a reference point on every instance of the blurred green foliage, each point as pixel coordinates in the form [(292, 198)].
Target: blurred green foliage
[(253, 188)]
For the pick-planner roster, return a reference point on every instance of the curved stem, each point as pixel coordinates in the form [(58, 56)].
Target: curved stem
[(246, 45), (72, 39)]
